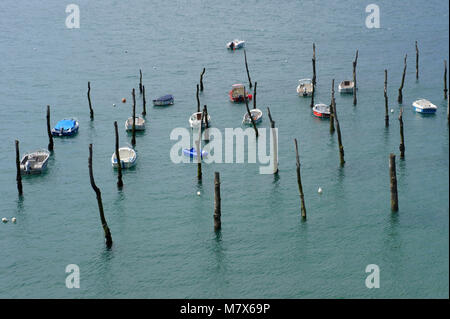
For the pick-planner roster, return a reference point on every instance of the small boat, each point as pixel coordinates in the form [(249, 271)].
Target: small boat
[(194, 120), (305, 87), (256, 115), (127, 155), (164, 100), (66, 127), (236, 44), (424, 106), (321, 110), (237, 93), (34, 162), (346, 87), (192, 153), (139, 124)]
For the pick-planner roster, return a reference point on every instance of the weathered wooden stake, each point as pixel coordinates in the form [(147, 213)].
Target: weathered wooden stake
[(386, 104), (89, 99), (217, 206), (198, 100), (254, 95), (314, 75), (119, 162), (133, 128), (400, 95), (275, 142), (201, 80), (19, 176), (338, 129), (331, 108), (198, 145), (248, 73), (144, 102), (49, 132), (402, 140), (354, 78), (206, 134), (393, 175), (445, 79), (250, 115), (108, 238), (417, 62), (299, 181), (140, 81)]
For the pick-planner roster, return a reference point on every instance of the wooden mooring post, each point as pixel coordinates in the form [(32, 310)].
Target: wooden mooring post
[(49, 131), (254, 95), (89, 99), (18, 176), (206, 134), (119, 162), (393, 178), (355, 62), (144, 102), (400, 94), (338, 129), (417, 61), (445, 79), (402, 139), (140, 81), (332, 108), (217, 206), (248, 73), (386, 104), (274, 143), (314, 79), (108, 238), (198, 144), (198, 99), (250, 115), (299, 182), (133, 128), (201, 79)]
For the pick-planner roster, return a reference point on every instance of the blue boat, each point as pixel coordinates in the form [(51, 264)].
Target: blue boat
[(164, 100), (66, 127), (424, 106), (192, 153)]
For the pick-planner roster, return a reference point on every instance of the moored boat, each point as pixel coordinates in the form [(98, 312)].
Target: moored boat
[(192, 152), (256, 115), (34, 162), (195, 119), (66, 127), (321, 110), (164, 100), (424, 106), (346, 86), (128, 157), (237, 93), (236, 44), (139, 124), (305, 87)]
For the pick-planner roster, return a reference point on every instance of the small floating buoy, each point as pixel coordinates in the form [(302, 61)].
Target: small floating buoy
[(4, 220), (126, 51), (392, 110), (319, 190), (198, 193), (13, 220), (114, 105), (124, 100)]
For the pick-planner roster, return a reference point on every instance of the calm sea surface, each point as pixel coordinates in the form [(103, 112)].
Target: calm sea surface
[(164, 242)]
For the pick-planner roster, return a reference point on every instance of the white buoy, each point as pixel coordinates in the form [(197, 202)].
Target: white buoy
[(4, 220), (13, 220), (114, 105), (392, 110), (319, 190), (198, 193)]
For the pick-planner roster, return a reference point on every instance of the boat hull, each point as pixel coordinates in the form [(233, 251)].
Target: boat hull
[(137, 127), (425, 110), (239, 99), (56, 132), (321, 115), (162, 103), (128, 163)]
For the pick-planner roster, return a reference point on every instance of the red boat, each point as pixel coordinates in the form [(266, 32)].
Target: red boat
[(237, 93), (321, 110)]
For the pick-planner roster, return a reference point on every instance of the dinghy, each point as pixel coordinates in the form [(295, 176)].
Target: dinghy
[(34, 162), (256, 115), (236, 44), (305, 87), (66, 127), (237, 93), (127, 155), (346, 87), (164, 100), (194, 120), (192, 152), (139, 124), (321, 110), (424, 106)]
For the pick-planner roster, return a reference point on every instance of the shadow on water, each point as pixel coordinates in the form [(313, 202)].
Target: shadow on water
[(218, 250), (20, 201)]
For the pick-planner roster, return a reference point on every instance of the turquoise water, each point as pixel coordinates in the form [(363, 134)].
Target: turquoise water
[(164, 242)]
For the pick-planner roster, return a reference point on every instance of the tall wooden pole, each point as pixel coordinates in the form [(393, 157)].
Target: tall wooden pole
[(18, 176), (205, 112), (140, 81), (332, 108), (338, 129), (250, 115), (314, 79), (275, 142), (254, 95), (133, 128), (445, 79), (144, 102), (402, 140), (386, 104), (89, 99), (217, 206), (400, 95), (393, 178), (201, 79), (198, 144), (198, 100), (248, 73), (49, 132), (417, 62), (108, 238), (354, 78), (299, 182), (119, 162)]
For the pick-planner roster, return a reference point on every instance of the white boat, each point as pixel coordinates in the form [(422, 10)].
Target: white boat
[(256, 115), (139, 124), (127, 155), (321, 110), (34, 162), (236, 44), (194, 120), (346, 86), (424, 106), (305, 87)]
